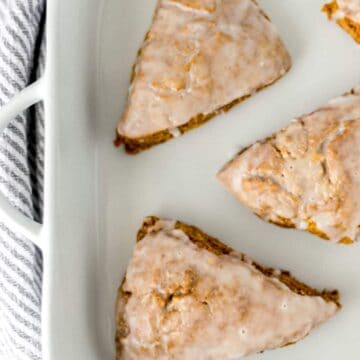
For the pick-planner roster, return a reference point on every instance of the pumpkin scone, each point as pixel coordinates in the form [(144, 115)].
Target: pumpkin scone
[(199, 58), (186, 295), (347, 14), (307, 175)]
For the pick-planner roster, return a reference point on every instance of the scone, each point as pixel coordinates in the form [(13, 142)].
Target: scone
[(307, 175), (347, 14), (199, 58), (188, 296)]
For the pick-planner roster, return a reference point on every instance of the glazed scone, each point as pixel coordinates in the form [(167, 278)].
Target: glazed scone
[(347, 14), (307, 175), (188, 296), (199, 58)]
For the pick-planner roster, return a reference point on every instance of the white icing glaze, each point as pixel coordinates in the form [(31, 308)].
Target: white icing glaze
[(349, 9), (188, 303), (175, 132), (199, 56), (308, 173)]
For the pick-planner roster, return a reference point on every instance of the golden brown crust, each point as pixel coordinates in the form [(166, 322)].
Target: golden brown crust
[(330, 9), (281, 221), (212, 244), (135, 145), (312, 228), (122, 328), (350, 26)]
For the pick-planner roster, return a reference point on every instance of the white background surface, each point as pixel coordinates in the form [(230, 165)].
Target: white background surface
[(106, 193)]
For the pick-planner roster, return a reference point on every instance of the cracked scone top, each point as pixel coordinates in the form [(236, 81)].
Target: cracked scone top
[(308, 174), (188, 296), (347, 14), (199, 57)]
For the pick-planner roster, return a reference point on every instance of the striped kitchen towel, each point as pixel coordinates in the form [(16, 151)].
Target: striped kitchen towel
[(21, 174)]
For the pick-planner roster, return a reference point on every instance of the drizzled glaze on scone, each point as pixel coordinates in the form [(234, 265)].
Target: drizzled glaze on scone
[(198, 57), (347, 14), (182, 300), (307, 175)]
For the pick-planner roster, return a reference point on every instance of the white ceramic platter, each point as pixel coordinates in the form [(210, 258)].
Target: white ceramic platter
[(96, 196)]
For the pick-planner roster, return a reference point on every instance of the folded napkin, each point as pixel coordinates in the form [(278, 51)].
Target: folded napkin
[(21, 179)]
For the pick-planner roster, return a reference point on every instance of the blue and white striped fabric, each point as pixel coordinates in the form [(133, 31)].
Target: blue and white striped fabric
[(21, 174)]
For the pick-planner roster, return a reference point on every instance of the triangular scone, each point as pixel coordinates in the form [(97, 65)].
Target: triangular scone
[(347, 14), (188, 296), (307, 175), (199, 58)]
